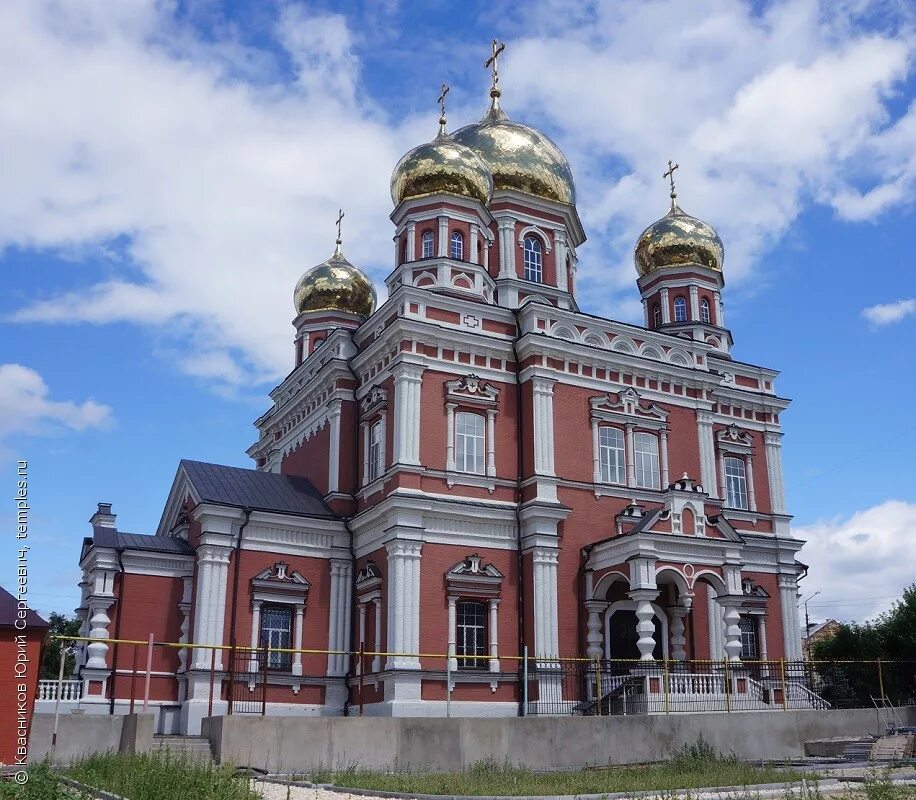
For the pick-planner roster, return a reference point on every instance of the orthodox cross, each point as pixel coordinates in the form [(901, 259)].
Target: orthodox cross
[(669, 174), (340, 216), (444, 91), (492, 61)]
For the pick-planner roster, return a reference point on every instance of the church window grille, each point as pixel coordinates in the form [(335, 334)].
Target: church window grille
[(750, 645), (680, 309), (657, 315), (471, 634), (457, 246), (534, 269), (704, 311), (276, 631), (469, 442), (376, 467), (428, 244), (736, 482), (647, 465), (613, 464)]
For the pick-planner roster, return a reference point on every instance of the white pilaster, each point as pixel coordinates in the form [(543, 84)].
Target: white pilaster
[(334, 448), (472, 255), (559, 244), (408, 381), (339, 616), (546, 628), (450, 436), (377, 660), (773, 448), (694, 303), (666, 307), (791, 630), (720, 316), (664, 458), (751, 493), (255, 633), (297, 640), (506, 228), (403, 603), (443, 237), (596, 452), (210, 605), (542, 389), (707, 453), (452, 633), (631, 456), (411, 241), (494, 638), (491, 443)]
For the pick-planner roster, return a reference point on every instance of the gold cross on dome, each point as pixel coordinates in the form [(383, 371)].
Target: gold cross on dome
[(669, 174), (340, 216), (444, 91), (493, 61)]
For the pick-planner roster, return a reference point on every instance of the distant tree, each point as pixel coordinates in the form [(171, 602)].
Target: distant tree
[(891, 638), (58, 625)]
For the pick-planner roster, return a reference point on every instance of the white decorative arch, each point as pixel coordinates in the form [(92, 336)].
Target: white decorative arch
[(462, 281), (678, 578), (648, 351), (423, 276), (679, 357), (607, 580), (713, 579), (623, 344), (535, 231), (564, 332), (596, 339), (712, 341), (630, 605)]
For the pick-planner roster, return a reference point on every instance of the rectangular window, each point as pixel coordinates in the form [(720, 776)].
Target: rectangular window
[(613, 463), (376, 467), (735, 482), (750, 647), (647, 470), (277, 631), (471, 634), (469, 443)]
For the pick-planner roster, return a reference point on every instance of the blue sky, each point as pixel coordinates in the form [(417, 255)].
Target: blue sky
[(171, 168)]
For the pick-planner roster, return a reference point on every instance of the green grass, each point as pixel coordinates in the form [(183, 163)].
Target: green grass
[(160, 776), (42, 785), (695, 767)]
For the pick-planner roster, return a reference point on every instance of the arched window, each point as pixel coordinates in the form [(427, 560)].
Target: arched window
[(376, 457), (610, 442), (680, 309), (427, 244), (469, 442), (534, 269), (735, 482), (704, 311), (656, 315), (647, 467), (456, 249)]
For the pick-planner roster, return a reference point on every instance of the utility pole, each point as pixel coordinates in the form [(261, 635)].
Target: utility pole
[(808, 624)]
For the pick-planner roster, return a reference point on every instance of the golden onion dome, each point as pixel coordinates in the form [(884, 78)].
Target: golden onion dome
[(519, 157), (335, 285), (441, 165), (678, 239)]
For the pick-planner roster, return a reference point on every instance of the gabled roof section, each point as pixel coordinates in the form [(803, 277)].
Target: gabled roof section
[(117, 540), (9, 613), (239, 487)]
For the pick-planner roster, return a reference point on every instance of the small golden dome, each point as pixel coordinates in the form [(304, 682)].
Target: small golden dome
[(519, 157), (676, 239), (441, 165), (336, 285)]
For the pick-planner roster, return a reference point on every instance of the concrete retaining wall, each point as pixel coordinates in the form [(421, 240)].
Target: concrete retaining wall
[(84, 734), (300, 743)]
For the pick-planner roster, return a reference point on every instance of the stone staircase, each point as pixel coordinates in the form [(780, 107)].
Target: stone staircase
[(194, 748)]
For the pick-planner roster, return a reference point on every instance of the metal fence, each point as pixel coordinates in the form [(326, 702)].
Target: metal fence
[(602, 687), (248, 678)]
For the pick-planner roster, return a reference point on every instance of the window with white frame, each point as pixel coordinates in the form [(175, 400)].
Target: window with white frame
[(613, 460), (456, 246), (648, 475), (750, 644), (428, 244), (534, 269), (680, 309), (704, 311), (277, 632), (735, 482), (471, 634), (469, 442), (376, 467)]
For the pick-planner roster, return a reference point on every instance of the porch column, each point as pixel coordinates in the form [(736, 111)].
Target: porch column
[(732, 645), (678, 640), (645, 625), (594, 640)]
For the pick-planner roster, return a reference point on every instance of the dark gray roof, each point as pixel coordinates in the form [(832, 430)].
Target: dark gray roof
[(118, 540), (251, 488), (9, 612)]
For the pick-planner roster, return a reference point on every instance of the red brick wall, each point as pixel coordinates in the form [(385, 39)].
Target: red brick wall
[(310, 459), (10, 684)]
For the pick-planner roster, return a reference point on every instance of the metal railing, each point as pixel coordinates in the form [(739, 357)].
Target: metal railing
[(243, 679)]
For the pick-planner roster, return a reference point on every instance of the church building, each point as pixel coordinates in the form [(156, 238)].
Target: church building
[(473, 467)]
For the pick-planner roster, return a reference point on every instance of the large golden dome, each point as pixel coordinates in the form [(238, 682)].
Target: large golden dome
[(441, 165), (519, 157), (676, 239), (335, 285)]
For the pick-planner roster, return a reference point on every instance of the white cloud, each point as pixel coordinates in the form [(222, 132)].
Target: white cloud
[(889, 313), (217, 181), (861, 563), (26, 408)]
